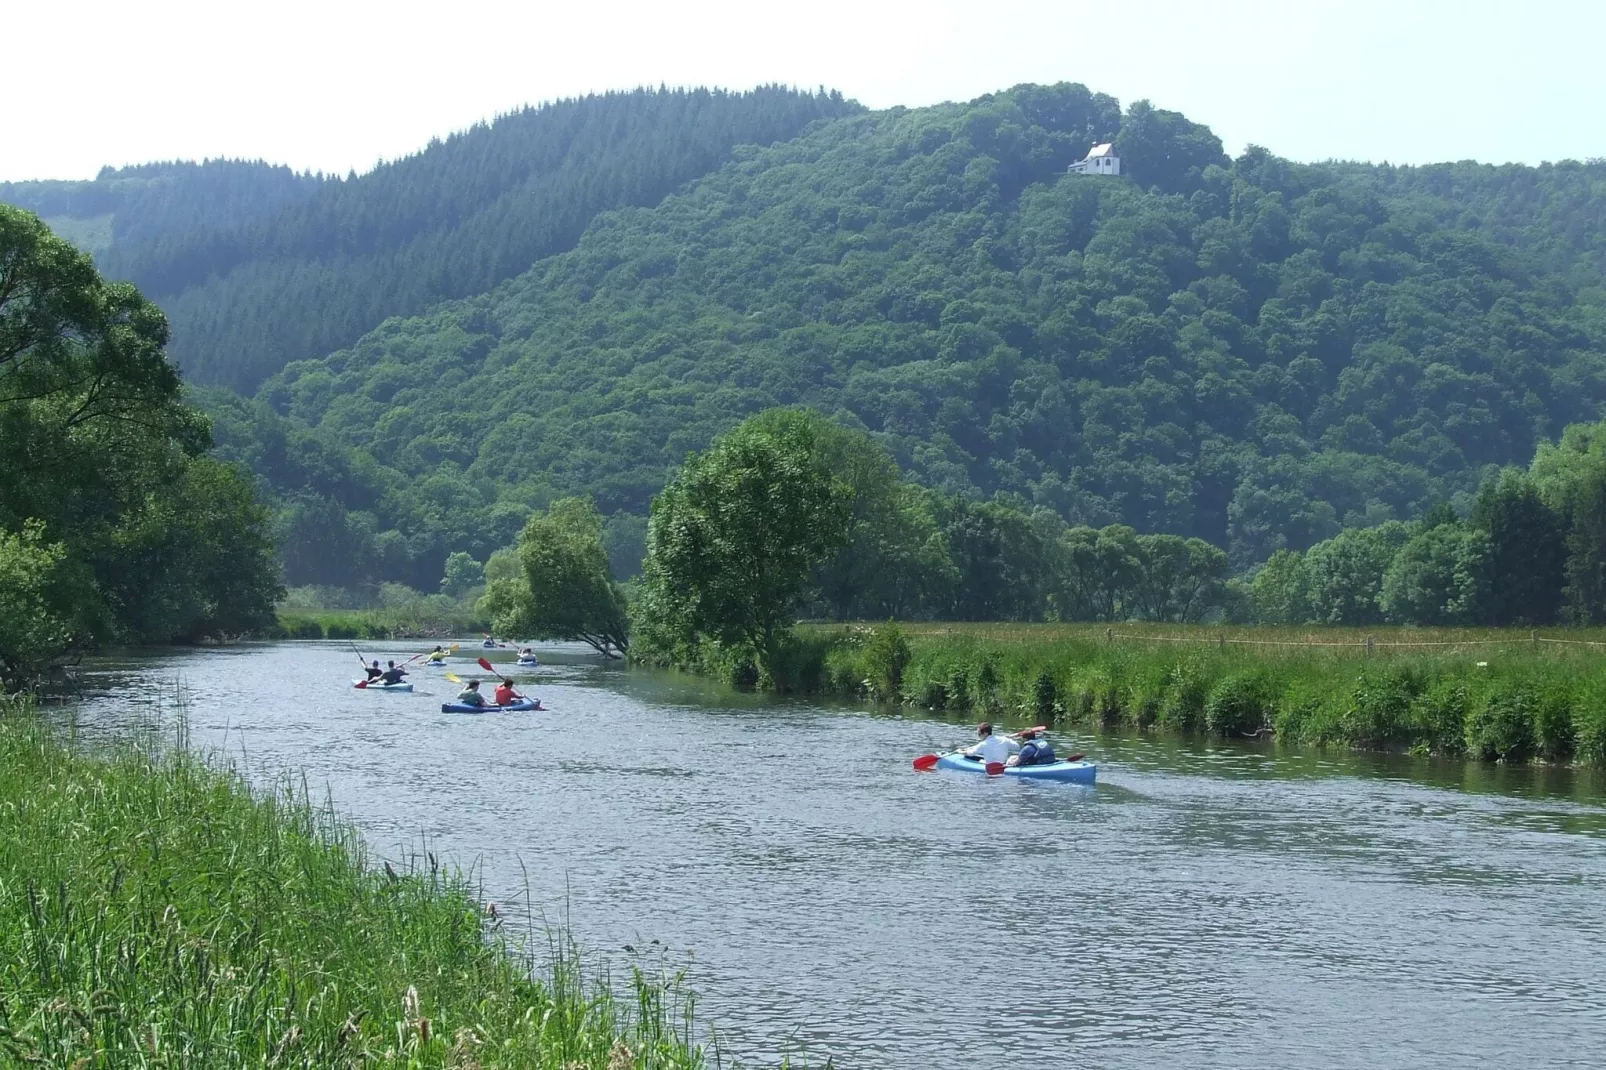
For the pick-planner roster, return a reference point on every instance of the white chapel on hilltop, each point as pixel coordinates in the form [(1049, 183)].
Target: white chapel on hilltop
[(1101, 160)]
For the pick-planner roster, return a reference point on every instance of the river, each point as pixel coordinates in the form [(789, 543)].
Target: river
[(1202, 906)]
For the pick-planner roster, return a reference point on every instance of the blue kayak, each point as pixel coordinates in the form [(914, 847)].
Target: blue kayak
[(381, 687), (528, 661), (517, 707), (1075, 772)]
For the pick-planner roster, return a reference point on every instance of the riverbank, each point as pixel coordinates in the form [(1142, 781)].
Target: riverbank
[(154, 910), (1495, 695), (407, 623)]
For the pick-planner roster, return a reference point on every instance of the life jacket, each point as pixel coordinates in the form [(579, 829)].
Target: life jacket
[(1036, 752)]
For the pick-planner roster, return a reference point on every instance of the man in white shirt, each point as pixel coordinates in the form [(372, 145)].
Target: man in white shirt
[(991, 748)]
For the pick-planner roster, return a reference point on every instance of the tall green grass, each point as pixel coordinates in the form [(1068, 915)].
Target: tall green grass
[(1509, 696), (155, 912), (408, 622)]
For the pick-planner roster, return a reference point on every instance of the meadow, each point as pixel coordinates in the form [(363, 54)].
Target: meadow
[(155, 912), (1511, 695)]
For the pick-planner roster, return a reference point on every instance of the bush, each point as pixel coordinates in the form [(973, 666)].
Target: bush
[(1238, 705), (1589, 728), (1184, 705), (885, 657), (1503, 728), (1045, 697), (1439, 718), (1380, 708)]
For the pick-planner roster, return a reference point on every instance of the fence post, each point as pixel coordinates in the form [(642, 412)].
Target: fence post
[(1534, 635), (1221, 640), (1368, 646), (1109, 636)]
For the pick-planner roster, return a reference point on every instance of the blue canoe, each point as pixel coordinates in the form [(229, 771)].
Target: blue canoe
[(517, 707), (358, 684), (1075, 772), (528, 661)]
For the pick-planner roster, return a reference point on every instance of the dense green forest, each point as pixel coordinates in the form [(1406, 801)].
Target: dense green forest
[(248, 294), (126, 210), (1255, 353), (1263, 357), (115, 524)]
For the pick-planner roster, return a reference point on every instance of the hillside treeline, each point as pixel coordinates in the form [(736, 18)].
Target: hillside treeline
[(246, 296), (1252, 352)]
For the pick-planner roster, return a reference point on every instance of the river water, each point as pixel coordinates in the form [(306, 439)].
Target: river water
[(1202, 906)]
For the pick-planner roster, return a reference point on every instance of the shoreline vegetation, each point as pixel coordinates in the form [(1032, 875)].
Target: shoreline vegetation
[(153, 909), (1498, 695)]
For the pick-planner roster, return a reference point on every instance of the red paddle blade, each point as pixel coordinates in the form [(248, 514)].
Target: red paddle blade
[(926, 762), (995, 768), (362, 683), (486, 665), (1074, 758)]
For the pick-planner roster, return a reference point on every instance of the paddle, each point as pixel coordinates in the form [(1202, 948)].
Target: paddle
[(487, 666), (927, 762), (363, 682)]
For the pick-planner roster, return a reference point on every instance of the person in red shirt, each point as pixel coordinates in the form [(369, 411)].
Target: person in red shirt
[(505, 695)]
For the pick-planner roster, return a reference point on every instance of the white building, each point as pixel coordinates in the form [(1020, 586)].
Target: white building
[(1101, 160)]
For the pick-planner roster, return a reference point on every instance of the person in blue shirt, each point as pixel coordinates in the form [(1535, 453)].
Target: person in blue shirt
[(1035, 749)]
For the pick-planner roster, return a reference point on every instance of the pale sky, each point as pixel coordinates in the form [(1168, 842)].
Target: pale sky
[(339, 84)]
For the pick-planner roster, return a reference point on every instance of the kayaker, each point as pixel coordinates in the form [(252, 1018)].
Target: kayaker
[(1035, 749), (393, 674), (437, 655), (990, 747), (470, 695), (505, 695), (374, 671)]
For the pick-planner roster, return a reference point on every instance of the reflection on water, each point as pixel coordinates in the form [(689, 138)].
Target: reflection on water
[(1204, 905)]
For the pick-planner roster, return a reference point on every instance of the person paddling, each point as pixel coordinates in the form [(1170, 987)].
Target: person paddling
[(505, 695), (989, 747), (374, 671), (1035, 749), (470, 695), (437, 656), (393, 674)]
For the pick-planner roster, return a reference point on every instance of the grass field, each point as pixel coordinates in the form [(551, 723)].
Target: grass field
[(1507, 695), (155, 913)]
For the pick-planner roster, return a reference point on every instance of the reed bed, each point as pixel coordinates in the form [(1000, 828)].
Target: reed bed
[(155, 912), (1498, 695)]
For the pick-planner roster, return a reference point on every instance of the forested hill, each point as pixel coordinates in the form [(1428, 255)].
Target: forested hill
[(124, 212), (1253, 351), (249, 295)]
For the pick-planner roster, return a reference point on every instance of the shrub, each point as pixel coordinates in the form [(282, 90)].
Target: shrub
[(1589, 727), (1238, 705), (1503, 728), (1184, 705), (1439, 717), (1380, 708), (884, 658), (1553, 726), (1045, 697)]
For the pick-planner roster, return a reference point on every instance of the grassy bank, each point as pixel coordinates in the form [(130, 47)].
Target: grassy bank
[(1488, 694), (154, 912), (406, 623)]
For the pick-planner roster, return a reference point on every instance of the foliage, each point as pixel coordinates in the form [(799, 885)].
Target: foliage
[(1527, 550), (1254, 353), (736, 535), (462, 572), (1281, 590), (566, 590), (37, 622), (107, 476), (154, 912), (1440, 577)]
